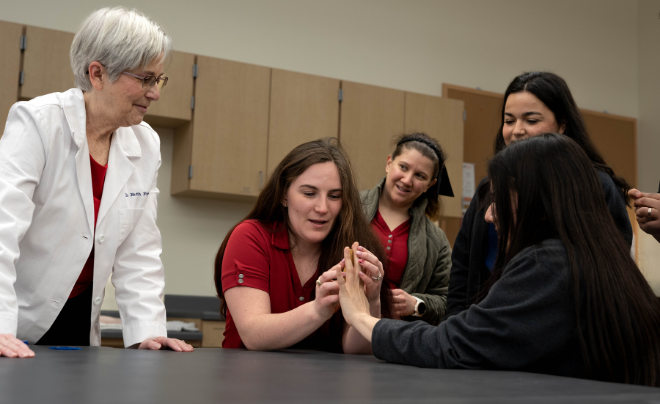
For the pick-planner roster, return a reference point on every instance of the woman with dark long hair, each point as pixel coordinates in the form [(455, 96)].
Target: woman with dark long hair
[(272, 271), (569, 299), (534, 103), (401, 209)]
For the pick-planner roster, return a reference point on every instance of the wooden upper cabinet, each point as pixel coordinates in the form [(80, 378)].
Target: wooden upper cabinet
[(483, 109), (10, 66), (302, 108), (442, 119), (370, 117), (174, 106), (227, 144), (615, 137), (46, 64)]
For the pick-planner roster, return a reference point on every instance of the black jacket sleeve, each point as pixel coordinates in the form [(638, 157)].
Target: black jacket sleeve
[(526, 318)]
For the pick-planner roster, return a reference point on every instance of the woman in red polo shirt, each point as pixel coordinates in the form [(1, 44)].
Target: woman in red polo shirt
[(401, 209), (274, 270)]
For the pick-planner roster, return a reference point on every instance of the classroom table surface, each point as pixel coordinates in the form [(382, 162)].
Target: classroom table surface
[(111, 375)]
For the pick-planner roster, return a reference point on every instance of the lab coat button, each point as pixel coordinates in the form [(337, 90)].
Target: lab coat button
[(97, 301), (101, 238)]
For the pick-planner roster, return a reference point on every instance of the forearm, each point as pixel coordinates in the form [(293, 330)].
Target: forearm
[(364, 325), (271, 331), (354, 342)]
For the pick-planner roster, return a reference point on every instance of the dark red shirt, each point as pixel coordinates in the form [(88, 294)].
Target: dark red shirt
[(98, 180), (396, 247), (258, 256)]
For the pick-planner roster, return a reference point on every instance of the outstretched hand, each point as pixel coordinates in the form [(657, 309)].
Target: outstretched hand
[(13, 347), (352, 298), (166, 343)]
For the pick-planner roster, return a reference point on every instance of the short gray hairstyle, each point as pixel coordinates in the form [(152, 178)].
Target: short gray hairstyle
[(119, 39)]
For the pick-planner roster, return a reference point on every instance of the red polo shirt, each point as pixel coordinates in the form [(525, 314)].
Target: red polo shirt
[(98, 180), (396, 246), (258, 256)]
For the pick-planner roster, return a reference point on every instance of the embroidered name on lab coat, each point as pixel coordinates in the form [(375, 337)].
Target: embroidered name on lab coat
[(128, 195)]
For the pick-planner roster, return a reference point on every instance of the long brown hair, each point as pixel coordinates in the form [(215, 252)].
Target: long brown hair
[(560, 196), (351, 225), (433, 206)]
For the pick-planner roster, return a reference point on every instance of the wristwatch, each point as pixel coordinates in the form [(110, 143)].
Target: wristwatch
[(420, 307)]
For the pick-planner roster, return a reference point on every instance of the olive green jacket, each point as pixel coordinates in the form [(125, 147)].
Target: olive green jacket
[(429, 257)]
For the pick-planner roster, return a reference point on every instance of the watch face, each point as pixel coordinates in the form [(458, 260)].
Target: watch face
[(421, 308)]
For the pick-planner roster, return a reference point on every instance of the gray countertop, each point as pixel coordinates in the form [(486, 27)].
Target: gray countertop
[(110, 375)]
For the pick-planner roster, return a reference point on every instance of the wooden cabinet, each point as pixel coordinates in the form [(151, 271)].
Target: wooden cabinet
[(46, 64), (370, 117), (615, 137), (482, 111), (10, 66), (302, 108), (174, 106), (442, 119), (225, 146)]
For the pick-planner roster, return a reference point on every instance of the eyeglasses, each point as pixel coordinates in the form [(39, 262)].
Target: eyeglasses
[(150, 81)]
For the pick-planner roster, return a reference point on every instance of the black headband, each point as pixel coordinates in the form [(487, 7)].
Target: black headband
[(442, 185)]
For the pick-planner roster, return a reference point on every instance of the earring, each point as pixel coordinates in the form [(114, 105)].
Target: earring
[(284, 204)]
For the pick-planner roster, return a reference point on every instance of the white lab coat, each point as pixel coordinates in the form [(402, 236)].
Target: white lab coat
[(47, 221)]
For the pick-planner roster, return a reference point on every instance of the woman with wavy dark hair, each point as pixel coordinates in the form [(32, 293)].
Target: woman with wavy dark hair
[(569, 299), (273, 270), (534, 103)]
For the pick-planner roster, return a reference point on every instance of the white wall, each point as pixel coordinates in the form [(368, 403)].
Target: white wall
[(404, 44)]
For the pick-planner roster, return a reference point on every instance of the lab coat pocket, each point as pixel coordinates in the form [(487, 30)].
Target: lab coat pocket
[(127, 220)]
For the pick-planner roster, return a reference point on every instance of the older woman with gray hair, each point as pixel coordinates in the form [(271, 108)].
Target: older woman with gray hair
[(78, 196)]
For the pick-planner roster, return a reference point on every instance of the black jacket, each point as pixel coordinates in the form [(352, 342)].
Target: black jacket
[(469, 271), (527, 322)]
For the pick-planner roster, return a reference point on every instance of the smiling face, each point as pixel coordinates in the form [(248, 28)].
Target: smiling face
[(409, 175), (525, 116), (314, 200), (125, 101)]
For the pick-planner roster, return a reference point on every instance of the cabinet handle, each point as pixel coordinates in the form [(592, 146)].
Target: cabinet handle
[(261, 180)]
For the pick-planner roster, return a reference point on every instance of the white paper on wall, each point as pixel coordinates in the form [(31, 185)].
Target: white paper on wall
[(468, 185)]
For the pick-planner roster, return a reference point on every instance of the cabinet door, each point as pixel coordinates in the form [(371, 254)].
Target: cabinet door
[(442, 119), (302, 108), (46, 64), (10, 66), (483, 120), (370, 117), (615, 137), (230, 128), (173, 107)]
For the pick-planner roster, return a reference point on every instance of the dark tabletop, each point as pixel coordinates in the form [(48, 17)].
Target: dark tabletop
[(110, 375)]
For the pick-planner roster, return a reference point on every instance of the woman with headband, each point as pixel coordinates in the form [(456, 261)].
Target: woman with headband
[(401, 209)]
